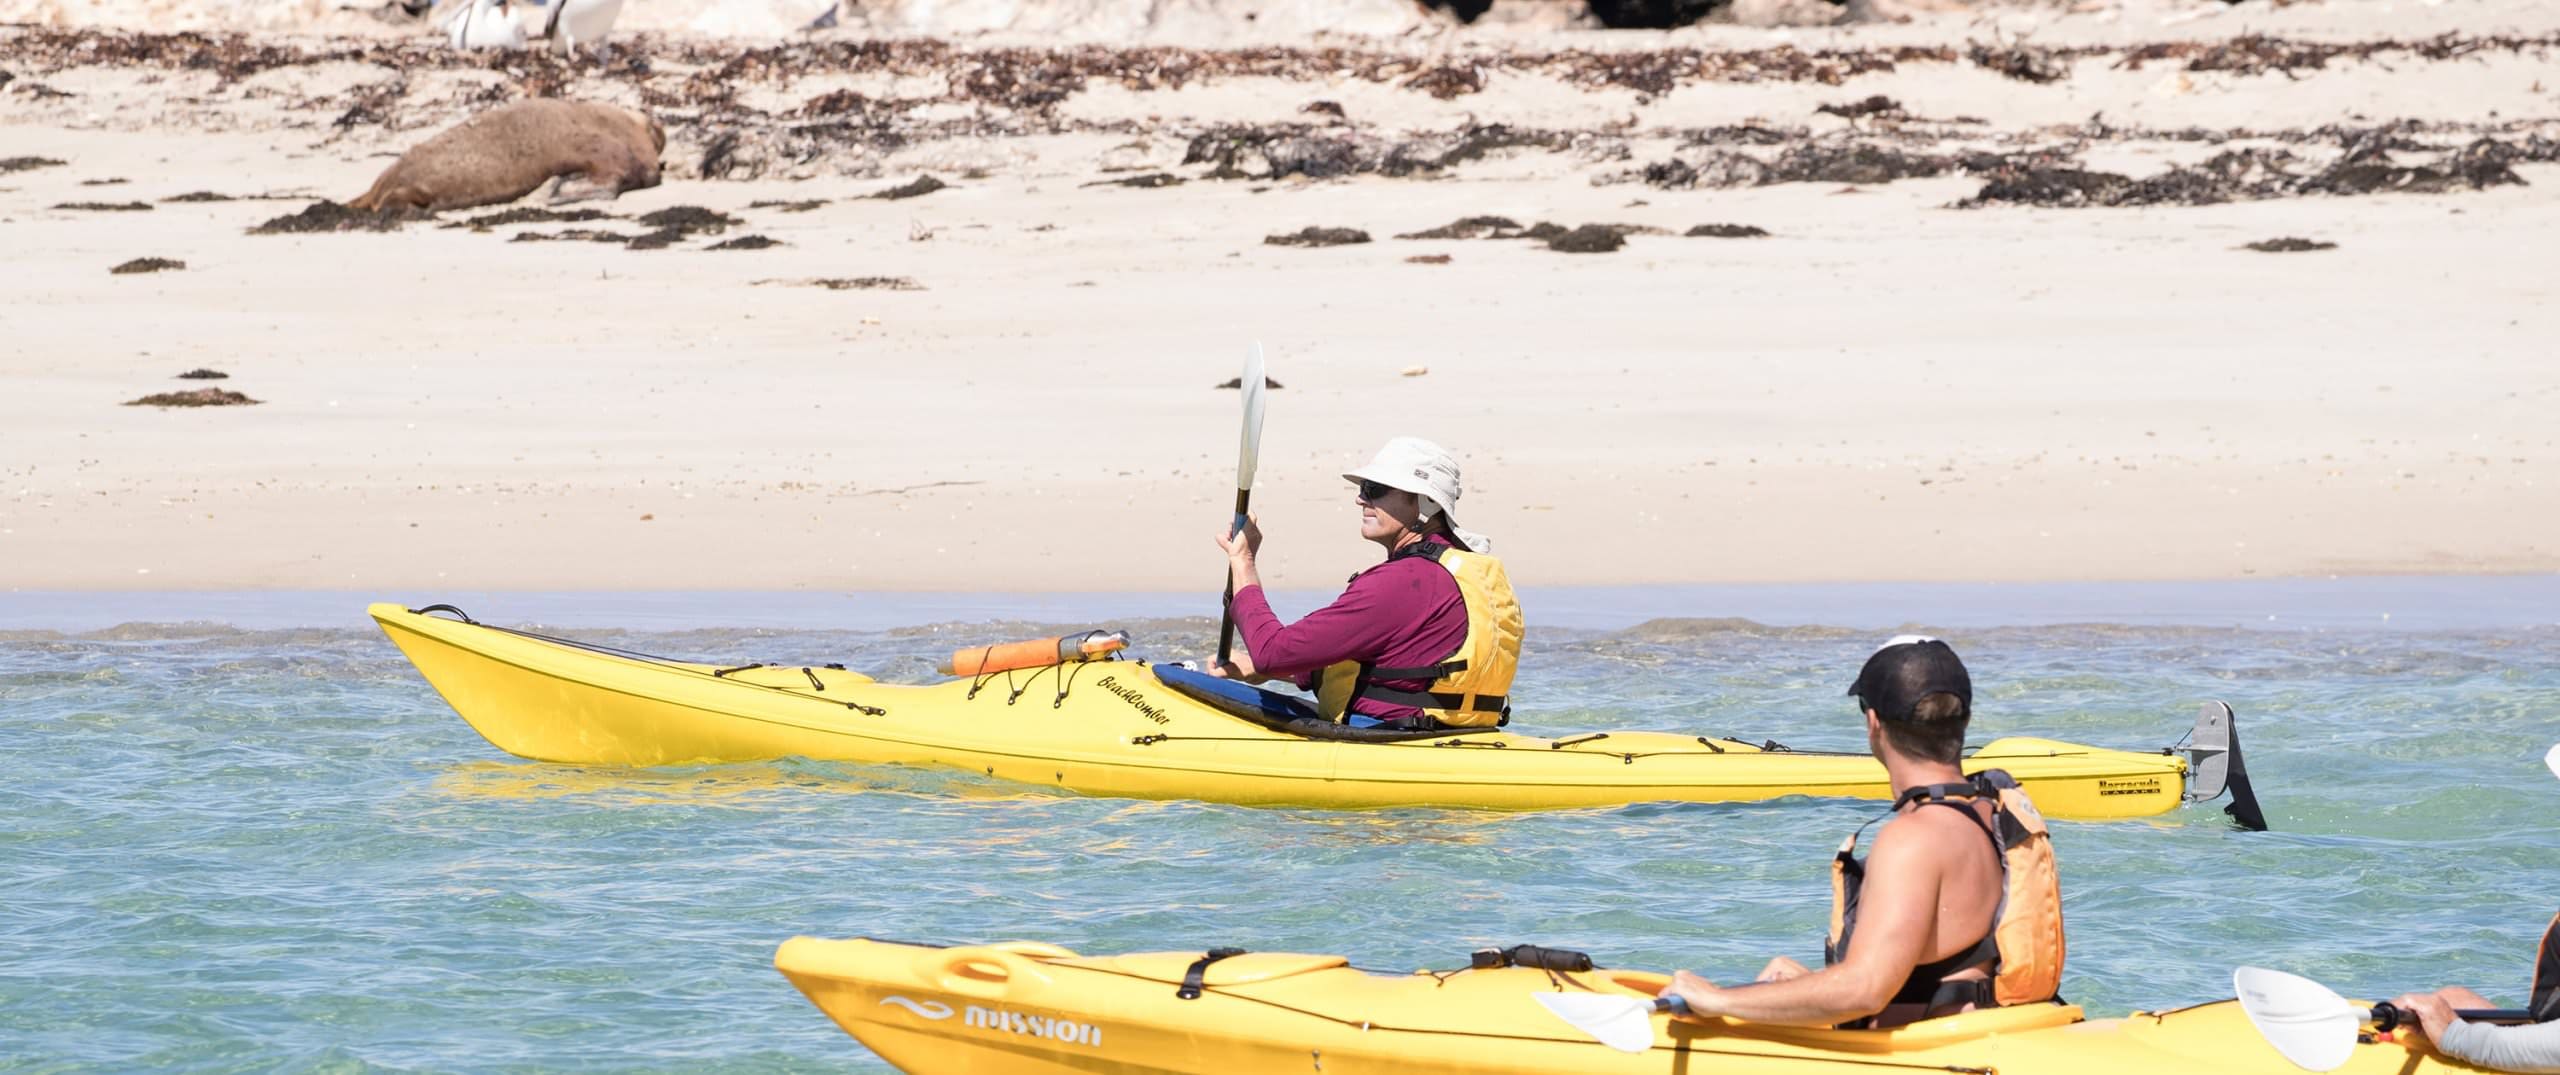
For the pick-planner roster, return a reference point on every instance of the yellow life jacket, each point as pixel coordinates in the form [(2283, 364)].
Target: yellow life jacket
[(1470, 688), (2024, 949)]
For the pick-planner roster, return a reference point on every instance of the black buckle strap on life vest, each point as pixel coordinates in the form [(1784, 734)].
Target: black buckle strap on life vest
[(1530, 956), (1426, 672), (1936, 793), (1191, 978), (1484, 703)]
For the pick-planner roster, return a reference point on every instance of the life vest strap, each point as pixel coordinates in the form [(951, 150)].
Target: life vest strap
[(1426, 672), (1464, 703), (1192, 977)]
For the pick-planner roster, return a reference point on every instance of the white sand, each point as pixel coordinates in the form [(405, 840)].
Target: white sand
[(1887, 389)]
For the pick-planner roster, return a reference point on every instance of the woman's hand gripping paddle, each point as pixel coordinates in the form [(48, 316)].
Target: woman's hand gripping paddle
[(2314, 1027), (1248, 450), (1621, 1023)]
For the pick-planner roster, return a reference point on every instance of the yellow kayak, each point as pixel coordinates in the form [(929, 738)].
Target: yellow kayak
[(1029, 1007), (1131, 729)]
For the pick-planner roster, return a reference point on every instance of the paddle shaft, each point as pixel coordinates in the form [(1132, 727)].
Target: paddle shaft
[(2387, 1016), (1227, 597)]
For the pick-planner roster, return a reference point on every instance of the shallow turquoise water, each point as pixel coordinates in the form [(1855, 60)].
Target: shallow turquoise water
[(278, 850)]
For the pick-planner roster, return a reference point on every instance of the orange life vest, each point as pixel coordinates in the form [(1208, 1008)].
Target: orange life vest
[(2024, 949)]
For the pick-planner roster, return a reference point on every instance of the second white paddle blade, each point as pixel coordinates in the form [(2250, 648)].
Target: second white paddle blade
[(2553, 759), (1621, 1023), (2308, 1024)]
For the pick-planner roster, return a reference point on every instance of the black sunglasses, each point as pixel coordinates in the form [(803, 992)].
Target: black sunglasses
[(1374, 492)]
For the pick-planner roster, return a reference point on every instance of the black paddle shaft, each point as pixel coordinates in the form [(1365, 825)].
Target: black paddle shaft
[(1227, 596), (2387, 1015)]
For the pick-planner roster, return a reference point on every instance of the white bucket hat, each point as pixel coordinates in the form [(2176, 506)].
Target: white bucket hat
[(1427, 471)]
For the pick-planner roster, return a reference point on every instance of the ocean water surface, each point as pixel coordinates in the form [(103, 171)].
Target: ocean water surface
[(274, 848)]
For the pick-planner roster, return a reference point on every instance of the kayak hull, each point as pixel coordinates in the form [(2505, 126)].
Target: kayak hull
[(1110, 728), (1036, 1008)]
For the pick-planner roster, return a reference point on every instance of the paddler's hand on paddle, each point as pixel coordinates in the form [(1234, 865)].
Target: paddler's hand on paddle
[(1781, 969), (1702, 996), (2432, 1012), (1241, 548), (1240, 669)]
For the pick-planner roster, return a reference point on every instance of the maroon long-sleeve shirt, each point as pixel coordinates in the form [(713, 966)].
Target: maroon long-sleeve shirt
[(1405, 613)]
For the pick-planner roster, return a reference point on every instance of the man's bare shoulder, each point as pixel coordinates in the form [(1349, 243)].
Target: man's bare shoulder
[(1924, 832)]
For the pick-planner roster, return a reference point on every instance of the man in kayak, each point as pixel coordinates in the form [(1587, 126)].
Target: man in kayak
[(2534, 1047), (1427, 639), (1957, 908)]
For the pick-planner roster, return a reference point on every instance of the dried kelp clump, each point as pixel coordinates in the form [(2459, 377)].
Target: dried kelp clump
[(919, 187), (677, 223), (1315, 236), (2289, 245), (530, 215), (202, 397), (852, 283), (9, 165), (143, 265), (106, 207), (329, 216), (1588, 239), (1822, 161), (1278, 151), (2364, 166), (2022, 62), (1474, 227)]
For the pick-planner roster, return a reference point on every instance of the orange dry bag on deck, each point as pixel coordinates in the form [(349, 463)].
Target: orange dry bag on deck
[(1035, 653)]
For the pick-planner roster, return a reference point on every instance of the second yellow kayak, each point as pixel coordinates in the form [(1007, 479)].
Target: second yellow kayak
[(1026, 1007), (1131, 729)]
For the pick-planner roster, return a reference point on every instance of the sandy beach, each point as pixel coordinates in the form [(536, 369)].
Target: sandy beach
[(1010, 384)]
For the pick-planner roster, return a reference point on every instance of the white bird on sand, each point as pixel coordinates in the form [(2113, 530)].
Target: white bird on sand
[(485, 24), (580, 22)]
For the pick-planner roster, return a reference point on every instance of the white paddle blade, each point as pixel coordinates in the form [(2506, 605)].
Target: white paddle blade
[(2308, 1023), (1249, 450), (1621, 1023), (2553, 759)]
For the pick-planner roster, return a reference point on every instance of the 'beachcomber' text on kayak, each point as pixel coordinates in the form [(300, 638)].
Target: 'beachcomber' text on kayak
[(1136, 698)]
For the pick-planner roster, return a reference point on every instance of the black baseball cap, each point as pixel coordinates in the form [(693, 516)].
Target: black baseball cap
[(1907, 669)]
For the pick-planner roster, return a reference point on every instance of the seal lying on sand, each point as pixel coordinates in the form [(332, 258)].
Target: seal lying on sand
[(507, 152)]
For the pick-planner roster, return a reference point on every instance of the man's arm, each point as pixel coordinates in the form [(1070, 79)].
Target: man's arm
[(1897, 917)]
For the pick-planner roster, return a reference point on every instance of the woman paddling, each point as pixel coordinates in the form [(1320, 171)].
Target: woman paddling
[(1427, 639)]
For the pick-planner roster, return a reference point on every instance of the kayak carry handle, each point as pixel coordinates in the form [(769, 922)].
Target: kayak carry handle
[(985, 971)]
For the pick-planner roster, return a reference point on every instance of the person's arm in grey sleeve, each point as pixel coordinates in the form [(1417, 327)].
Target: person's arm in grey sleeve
[(2532, 1049)]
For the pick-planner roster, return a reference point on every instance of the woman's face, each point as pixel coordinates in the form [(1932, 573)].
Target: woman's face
[(1387, 515)]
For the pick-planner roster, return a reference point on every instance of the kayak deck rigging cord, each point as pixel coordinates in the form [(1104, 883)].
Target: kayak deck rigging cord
[(668, 662)]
